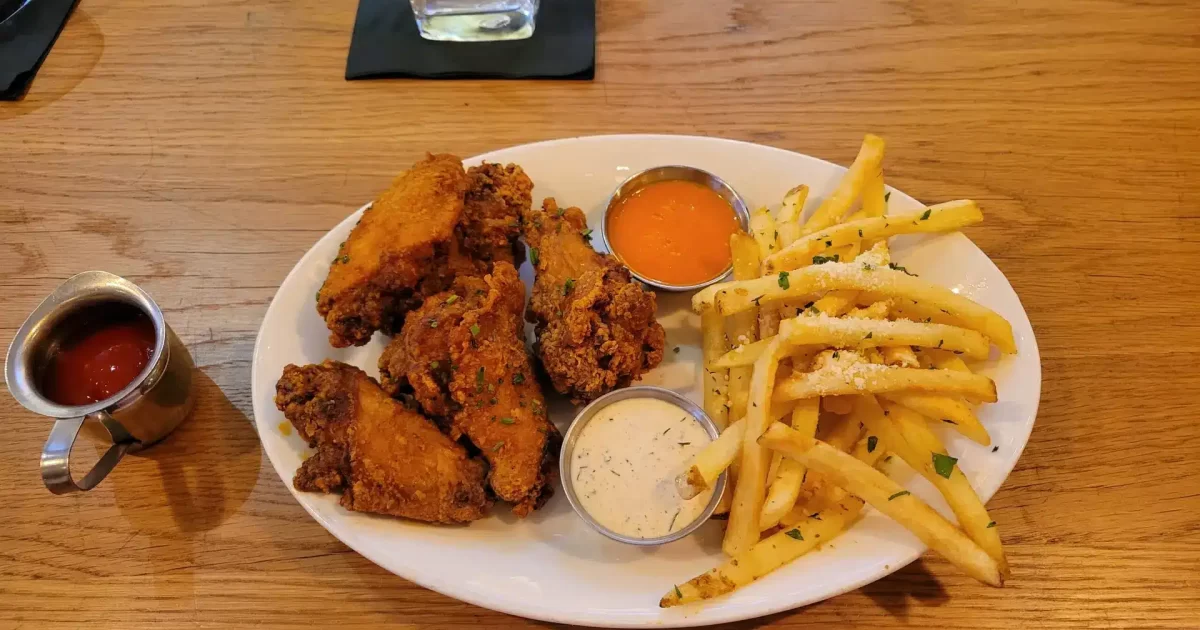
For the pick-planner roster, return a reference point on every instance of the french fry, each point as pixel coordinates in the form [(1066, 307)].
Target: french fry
[(901, 356), (817, 493), (872, 333), (745, 354), (741, 296), (859, 377), (942, 217), (816, 523), (834, 207), (877, 310), (783, 491), (742, 326), (720, 454), (716, 379), (766, 236), (928, 456), (943, 360), (944, 409), (874, 197), (711, 461), (890, 498), (790, 212), (767, 555), (741, 532), (841, 405)]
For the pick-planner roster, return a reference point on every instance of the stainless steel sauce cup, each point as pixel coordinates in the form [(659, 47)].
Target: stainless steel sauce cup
[(139, 415), (676, 173), (589, 412)]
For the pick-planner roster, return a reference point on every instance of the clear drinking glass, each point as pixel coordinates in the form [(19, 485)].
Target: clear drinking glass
[(475, 20)]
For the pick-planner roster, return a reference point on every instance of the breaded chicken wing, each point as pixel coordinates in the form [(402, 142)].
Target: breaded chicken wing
[(596, 327), (501, 407), (383, 457), (371, 282)]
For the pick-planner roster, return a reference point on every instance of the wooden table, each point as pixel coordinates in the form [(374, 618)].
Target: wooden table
[(199, 148)]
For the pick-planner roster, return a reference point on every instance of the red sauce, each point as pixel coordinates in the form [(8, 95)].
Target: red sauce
[(101, 349)]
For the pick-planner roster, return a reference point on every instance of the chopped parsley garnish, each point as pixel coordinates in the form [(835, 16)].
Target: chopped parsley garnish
[(474, 329), (533, 256), (452, 299), (518, 378), (479, 379), (887, 195), (684, 443), (869, 335), (587, 235), (925, 216), (677, 593), (940, 341), (872, 442), (835, 354), (860, 233), (507, 420), (783, 280), (899, 494), (943, 464), (568, 286), (345, 259), (795, 533), (561, 211), (755, 300), (995, 448), (991, 524), (948, 421), (821, 260), (896, 267), (675, 350)]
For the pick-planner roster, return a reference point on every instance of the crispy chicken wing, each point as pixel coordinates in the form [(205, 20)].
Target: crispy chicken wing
[(502, 410), (390, 251), (462, 355), (417, 361), (383, 457), (596, 329), (436, 223)]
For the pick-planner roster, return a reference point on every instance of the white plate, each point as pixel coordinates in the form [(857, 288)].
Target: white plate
[(552, 566)]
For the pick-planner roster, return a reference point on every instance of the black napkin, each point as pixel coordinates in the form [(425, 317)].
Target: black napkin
[(25, 40), (386, 43)]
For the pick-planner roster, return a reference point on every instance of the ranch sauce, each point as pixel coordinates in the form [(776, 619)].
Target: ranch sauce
[(624, 465)]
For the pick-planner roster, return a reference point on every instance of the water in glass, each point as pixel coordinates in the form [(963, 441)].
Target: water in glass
[(475, 20)]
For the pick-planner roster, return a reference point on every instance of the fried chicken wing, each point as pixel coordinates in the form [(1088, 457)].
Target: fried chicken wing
[(596, 327), (383, 457), (388, 254), (436, 223), (501, 407), (417, 361)]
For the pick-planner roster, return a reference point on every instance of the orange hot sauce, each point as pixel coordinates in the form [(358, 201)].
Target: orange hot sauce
[(675, 232)]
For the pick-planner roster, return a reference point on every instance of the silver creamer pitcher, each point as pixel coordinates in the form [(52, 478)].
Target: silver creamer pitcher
[(142, 413)]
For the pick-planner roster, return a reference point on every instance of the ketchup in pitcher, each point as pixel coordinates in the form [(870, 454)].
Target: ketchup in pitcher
[(100, 350)]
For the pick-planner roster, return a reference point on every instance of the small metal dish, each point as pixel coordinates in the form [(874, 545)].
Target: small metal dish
[(676, 173), (589, 412)]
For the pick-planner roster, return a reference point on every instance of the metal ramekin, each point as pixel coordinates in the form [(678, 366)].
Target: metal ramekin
[(669, 173), (589, 412)]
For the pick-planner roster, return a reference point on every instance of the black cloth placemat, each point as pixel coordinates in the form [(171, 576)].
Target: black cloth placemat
[(25, 40), (386, 43)]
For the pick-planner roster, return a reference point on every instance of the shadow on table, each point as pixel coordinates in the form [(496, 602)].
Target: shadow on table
[(71, 60), (896, 592), (191, 482)]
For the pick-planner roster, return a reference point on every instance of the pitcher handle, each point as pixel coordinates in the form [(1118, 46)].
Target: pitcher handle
[(56, 454)]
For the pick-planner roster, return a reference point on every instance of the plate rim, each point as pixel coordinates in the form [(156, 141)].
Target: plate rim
[(532, 609)]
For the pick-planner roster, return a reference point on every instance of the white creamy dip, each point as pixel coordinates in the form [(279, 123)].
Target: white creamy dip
[(624, 464)]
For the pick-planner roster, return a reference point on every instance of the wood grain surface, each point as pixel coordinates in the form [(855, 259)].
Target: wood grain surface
[(199, 148)]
